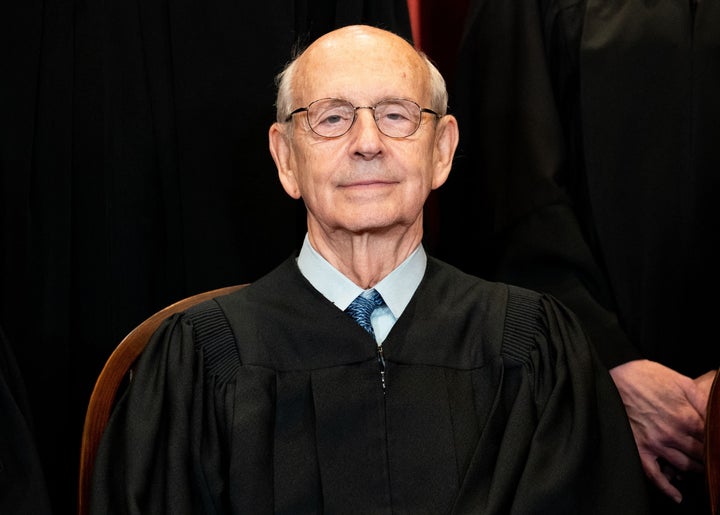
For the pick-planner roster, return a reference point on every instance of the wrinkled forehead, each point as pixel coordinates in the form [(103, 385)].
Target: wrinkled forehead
[(360, 66)]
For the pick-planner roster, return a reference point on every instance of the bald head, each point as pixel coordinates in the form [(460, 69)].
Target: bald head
[(352, 53)]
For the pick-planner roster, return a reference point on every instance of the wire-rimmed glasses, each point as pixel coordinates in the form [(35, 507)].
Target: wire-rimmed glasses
[(333, 117)]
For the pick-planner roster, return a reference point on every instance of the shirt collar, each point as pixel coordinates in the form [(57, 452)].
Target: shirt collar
[(397, 288)]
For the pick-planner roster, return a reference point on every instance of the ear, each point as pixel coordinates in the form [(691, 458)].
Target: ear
[(282, 153), (447, 136)]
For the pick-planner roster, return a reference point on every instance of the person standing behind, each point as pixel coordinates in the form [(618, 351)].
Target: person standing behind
[(589, 169), (452, 395)]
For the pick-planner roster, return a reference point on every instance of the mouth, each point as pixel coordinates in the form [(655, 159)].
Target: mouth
[(368, 183)]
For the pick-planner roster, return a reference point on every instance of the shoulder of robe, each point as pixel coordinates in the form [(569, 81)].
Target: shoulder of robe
[(522, 323), (214, 339)]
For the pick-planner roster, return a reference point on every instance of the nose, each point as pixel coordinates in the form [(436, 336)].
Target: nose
[(366, 138)]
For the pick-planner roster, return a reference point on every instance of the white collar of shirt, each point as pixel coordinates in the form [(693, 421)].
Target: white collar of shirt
[(397, 288)]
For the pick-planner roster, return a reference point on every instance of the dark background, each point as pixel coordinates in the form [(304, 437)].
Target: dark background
[(134, 171)]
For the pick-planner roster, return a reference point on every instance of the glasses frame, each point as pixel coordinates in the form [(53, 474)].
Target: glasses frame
[(306, 110)]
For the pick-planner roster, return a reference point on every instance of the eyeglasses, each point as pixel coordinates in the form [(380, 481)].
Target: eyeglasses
[(333, 117)]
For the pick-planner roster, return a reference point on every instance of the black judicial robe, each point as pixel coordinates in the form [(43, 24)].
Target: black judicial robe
[(494, 404)]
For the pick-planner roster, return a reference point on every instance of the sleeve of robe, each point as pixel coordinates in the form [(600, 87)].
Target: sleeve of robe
[(161, 452), (575, 454), (148, 466)]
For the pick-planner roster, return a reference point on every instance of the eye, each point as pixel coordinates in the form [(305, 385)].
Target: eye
[(331, 115), (394, 113), (333, 118), (397, 110)]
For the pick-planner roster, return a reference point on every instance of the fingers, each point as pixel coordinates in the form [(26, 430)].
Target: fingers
[(682, 461), (661, 477), (666, 411)]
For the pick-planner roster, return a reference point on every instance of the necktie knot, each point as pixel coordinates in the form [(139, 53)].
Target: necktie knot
[(362, 307)]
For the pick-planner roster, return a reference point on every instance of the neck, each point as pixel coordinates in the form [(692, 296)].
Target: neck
[(365, 258)]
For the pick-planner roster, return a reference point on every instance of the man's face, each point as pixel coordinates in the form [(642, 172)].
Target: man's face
[(363, 181)]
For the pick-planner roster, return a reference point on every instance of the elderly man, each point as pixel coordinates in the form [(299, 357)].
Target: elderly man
[(361, 375)]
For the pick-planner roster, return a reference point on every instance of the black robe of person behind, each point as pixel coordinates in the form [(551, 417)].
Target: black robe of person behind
[(494, 404), (588, 169)]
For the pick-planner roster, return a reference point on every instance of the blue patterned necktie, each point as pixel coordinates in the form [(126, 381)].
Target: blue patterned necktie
[(363, 306)]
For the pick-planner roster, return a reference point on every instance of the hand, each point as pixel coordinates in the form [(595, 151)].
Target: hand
[(667, 415)]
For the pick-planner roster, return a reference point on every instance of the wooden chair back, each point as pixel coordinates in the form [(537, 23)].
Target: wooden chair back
[(112, 376)]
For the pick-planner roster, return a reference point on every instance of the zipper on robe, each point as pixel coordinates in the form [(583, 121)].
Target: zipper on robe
[(381, 362)]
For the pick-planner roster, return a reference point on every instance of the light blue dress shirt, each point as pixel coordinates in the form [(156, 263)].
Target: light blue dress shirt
[(396, 289)]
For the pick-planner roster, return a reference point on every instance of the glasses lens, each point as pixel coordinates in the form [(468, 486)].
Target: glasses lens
[(397, 118), (330, 117)]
